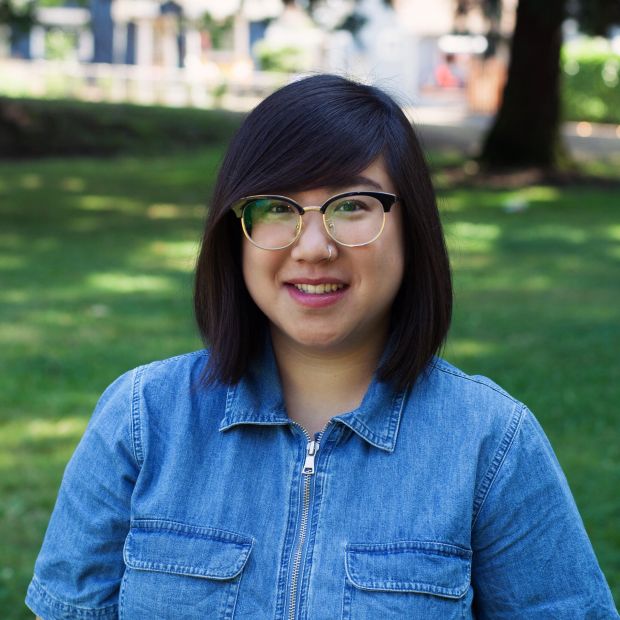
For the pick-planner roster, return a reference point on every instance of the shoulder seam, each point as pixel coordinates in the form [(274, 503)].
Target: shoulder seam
[(200, 352), (498, 460), (461, 375), (136, 430)]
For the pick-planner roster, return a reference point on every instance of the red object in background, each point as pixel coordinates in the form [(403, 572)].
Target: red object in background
[(445, 75)]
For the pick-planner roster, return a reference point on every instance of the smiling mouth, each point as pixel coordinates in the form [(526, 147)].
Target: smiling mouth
[(319, 289)]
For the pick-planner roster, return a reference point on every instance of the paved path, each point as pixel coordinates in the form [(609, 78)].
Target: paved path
[(451, 126)]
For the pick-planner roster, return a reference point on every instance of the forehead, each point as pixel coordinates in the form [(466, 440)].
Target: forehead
[(374, 178)]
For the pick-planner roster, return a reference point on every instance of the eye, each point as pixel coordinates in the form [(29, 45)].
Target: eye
[(265, 207), (278, 208), (349, 206)]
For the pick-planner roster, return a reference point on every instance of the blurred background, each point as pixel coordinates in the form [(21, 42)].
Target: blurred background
[(115, 115)]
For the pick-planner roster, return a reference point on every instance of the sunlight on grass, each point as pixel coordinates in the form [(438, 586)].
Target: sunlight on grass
[(613, 232), (91, 202), (450, 203), (463, 261), (118, 282), (73, 184), (50, 316), (463, 347), (179, 255), (469, 237), (558, 232), (538, 282), (11, 261), (163, 211), (30, 181), (14, 296), (45, 429), (13, 333), (21, 433), (538, 193)]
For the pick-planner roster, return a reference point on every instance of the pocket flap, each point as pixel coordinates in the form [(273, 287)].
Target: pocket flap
[(171, 547), (410, 566)]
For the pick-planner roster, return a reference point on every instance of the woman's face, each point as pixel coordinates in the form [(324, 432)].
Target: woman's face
[(368, 277)]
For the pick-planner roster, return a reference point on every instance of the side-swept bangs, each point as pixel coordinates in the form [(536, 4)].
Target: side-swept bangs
[(317, 132)]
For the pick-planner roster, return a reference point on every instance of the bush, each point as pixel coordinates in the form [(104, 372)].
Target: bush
[(591, 90), (43, 128), (286, 59)]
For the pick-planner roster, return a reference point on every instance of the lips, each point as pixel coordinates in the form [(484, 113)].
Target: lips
[(316, 293)]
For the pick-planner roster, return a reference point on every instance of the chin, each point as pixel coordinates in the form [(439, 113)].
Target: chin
[(315, 339)]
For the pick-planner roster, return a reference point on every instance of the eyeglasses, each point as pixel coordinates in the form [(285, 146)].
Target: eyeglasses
[(351, 219)]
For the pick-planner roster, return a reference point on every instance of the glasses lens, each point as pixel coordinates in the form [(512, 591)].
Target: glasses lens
[(270, 223), (355, 220)]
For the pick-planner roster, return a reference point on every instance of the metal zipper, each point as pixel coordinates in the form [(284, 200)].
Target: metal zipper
[(312, 448)]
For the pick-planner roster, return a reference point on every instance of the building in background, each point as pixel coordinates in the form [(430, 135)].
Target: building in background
[(407, 48)]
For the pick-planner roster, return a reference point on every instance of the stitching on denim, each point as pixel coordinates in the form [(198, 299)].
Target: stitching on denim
[(498, 460), (218, 573), (461, 375), (413, 587), (56, 603), (195, 531), (230, 397), (121, 607), (405, 546), (346, 600), (394, 422), (233, 595), (136, 429), (397, 585), (199, 353), (366, 433), (243, 550), (247, 417), (388, 441)]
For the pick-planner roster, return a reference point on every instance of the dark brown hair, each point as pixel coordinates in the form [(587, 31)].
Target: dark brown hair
[(317, 132)]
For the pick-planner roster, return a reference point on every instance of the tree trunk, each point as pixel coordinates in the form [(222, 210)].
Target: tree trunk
[(526, 130)]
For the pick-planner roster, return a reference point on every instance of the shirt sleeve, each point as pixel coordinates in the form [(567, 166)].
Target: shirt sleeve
[(80, 566), (532, 557)]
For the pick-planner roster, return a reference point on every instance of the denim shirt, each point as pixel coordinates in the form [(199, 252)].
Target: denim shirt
[(445, 501)]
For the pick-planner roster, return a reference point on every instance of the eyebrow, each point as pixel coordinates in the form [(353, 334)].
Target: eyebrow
[(358, 180)]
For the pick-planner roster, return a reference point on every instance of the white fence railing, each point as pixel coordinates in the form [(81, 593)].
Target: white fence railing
[(194, 87)]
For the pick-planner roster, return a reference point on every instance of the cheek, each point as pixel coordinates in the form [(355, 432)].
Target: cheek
[(393, 258), (260, 268)]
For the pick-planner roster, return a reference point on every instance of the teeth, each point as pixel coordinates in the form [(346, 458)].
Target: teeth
[(318, 289)]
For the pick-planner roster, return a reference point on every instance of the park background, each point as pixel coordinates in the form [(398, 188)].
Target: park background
[(115, 114)]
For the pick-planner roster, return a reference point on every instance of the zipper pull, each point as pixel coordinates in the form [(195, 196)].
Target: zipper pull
[(311, 451)]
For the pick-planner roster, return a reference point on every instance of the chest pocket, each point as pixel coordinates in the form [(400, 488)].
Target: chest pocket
[(406, 579), (181, 571)]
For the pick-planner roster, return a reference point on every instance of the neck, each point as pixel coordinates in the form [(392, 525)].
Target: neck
[(319, 384)]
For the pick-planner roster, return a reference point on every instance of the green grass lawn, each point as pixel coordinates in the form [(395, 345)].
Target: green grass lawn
[(95, 278)]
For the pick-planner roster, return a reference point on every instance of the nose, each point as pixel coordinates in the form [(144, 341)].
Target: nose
[(313, 244)]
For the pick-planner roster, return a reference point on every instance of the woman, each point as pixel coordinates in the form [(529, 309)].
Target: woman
[(319, 460)]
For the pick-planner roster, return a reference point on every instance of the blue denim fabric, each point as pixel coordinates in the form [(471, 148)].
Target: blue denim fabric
[(185, 503)]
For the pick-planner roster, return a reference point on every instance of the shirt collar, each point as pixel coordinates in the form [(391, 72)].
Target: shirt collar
[(257, 399)]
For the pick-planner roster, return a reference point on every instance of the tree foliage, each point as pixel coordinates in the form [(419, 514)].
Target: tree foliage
[(526, 129), (20, 15), (596, 16)]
